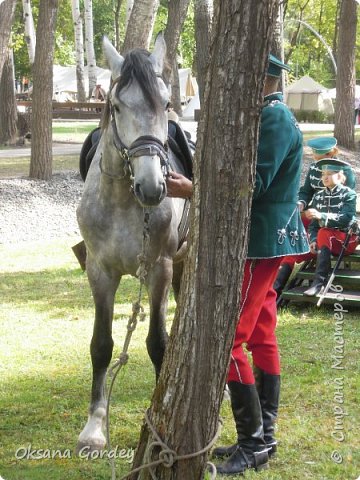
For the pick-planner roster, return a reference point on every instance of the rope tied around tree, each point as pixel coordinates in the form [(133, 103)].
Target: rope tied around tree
[(167, 456)]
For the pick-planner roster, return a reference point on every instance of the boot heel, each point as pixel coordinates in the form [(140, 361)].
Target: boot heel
[(264, 466)]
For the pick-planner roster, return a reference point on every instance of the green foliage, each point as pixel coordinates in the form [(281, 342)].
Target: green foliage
[(313, 117), (310, 56)]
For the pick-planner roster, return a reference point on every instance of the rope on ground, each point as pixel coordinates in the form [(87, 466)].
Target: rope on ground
[(167, 456)]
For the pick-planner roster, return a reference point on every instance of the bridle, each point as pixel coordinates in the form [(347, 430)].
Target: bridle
[(145, 145)]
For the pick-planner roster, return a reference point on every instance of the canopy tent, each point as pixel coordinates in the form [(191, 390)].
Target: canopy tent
[(188, 112), (307, 94), (188, 84)]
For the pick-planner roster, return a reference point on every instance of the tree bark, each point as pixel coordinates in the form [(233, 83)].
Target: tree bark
[(140, 25), (117, 11), (8, 110), (203, 21), (89, 45), (277, 44), (41, 122), (29, 30), (186, 402), (79, 50), (344, 129), (7, 9), (177, 10)]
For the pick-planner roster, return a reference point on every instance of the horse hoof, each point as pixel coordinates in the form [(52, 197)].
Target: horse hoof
[(84, 450)]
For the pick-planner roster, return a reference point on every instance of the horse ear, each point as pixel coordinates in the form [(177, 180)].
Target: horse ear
[(114, 59), (159, 53)]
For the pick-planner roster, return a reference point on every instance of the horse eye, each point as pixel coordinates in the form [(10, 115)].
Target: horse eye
[(168, 106), (116, 108)]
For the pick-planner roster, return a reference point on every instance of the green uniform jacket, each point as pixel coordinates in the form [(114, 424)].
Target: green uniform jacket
[(337, 207), (313, 183), (276, 228)]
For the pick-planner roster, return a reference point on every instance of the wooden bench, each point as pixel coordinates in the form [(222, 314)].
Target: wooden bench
[(71, 110)]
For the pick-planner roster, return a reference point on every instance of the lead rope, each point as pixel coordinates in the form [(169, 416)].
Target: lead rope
[(167, 456), (137, 311)]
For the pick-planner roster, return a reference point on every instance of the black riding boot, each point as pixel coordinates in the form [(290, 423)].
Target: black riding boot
[(268, 387), (251, 450), (323, 265), (282, 278)]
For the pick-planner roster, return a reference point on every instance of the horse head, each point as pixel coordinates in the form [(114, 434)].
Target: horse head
[(138, 102)]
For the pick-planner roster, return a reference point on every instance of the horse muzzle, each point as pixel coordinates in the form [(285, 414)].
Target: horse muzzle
[(150, 193)]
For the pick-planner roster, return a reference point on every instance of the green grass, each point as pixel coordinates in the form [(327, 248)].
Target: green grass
[(46, 317), (15, 167), (74, 132)]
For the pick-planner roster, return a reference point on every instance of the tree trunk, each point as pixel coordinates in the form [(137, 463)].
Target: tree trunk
[(29, 30), (203, 21), (140, 25), (117, 12), (177, 10), (79, 50), (89, 43), (7, 9), (8, 110), (129, 7), (186, 402), (41, 122), (345, 79), (277, 44)]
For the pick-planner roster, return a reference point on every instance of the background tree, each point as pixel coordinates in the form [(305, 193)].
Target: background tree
[(41, 122), (79, 50), (345, 80), (89, 44), (29, 30), (8, 110), (203, 23), (177, 10), (140, 25), (7, 9), (186, 402)]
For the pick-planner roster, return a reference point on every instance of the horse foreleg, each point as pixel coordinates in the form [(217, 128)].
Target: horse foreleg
[(159, 282), (103, 288)]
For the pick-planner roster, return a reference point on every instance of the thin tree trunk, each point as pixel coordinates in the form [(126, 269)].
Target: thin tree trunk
[(8, 108), (41, 122), (186, 402), (203, 22), (29, 30), (277, 44), (79, 50), (7, 9), (140, 25), (344, 129), (129, 7), (89, 44), (117, 23)]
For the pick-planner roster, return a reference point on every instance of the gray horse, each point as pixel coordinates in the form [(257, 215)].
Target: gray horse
[(127, 177)]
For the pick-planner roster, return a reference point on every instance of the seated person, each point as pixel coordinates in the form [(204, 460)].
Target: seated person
[(322, 148), (334, 210)]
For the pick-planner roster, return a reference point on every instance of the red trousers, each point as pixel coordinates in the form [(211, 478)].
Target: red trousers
[(334, 240), (257, 322)]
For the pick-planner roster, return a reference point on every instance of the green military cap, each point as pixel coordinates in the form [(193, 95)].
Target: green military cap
[(322, 145), (332, 164), (275, 66)]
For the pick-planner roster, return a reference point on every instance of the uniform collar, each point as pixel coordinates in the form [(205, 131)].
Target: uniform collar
[(273, 96)]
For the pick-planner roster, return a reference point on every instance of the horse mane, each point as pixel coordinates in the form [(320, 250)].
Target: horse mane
[(137, 66)]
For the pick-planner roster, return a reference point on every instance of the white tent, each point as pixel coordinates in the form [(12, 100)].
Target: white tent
[(65, 85), (188, 112), (65, 82), (307, 94)]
